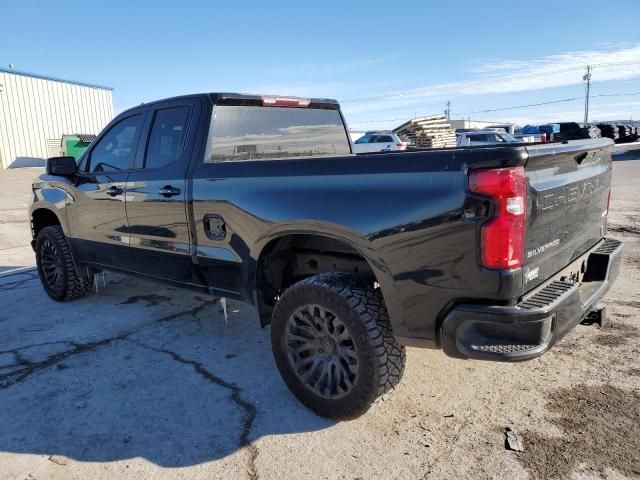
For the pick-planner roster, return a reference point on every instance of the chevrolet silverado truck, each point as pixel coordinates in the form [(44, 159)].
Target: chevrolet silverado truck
[(491, 252)]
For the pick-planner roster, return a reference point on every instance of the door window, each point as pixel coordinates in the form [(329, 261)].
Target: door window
[(115, 150), (167, 136)]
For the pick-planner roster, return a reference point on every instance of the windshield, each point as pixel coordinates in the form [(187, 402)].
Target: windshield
[(253, 133)]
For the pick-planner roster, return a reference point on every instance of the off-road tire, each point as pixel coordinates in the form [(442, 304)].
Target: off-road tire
[(381, 359), (71, 283)]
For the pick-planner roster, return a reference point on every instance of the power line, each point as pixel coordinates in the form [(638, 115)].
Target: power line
[(615, 94), (515, 107), (402, 119), (548, 103), (479, 111), (478, 83)]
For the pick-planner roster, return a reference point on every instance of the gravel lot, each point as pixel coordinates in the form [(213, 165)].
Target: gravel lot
[(140, 380)]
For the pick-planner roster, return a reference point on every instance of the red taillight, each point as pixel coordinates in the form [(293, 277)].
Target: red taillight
[(502, 237), (543, 137), (285, 102)]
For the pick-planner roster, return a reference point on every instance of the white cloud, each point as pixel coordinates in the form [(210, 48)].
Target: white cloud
[(553, 71)]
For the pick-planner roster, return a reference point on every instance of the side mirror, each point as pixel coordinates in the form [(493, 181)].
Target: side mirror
[(63, 166)]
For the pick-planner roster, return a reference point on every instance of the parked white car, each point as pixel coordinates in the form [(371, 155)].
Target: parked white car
[(378, 142)]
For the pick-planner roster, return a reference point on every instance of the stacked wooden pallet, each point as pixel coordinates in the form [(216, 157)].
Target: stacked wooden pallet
[(427, 132)]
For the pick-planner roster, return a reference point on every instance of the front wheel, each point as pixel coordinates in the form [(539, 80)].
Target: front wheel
[(333, 344), (58, 273)]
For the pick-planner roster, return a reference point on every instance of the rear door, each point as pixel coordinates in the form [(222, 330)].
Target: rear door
[(568, 190), (157, 192), (97, 217), (233, 191)]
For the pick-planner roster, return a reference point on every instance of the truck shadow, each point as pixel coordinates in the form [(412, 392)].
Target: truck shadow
[(116, 376), (24, 162)]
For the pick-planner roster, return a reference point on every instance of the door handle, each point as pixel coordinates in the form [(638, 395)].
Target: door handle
[(113, 191), (169, 191)]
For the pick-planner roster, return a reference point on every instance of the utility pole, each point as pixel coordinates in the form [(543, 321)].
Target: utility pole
[(447, 112), (587, 78)]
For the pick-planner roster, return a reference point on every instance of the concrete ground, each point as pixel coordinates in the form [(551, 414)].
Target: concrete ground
[(141, 380)]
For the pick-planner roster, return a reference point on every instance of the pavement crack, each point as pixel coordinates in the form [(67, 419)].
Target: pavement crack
[(43, 344), (193, 312), (27, 368), (250, 410)]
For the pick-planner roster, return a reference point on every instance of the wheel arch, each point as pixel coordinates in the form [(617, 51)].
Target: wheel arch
[(336, 251), (42, 217)]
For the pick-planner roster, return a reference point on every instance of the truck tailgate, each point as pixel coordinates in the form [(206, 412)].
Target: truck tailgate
[(568, 191)]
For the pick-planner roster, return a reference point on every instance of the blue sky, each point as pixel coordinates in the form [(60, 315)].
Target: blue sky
[(385, 62)]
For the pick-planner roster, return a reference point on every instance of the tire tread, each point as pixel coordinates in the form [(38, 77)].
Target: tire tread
[(368, 304), (77, 285)]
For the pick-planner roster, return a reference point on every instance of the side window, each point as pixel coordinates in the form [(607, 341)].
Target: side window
[(364, 139), (166, 140), (478, 138), (385, 139), (115, 150)]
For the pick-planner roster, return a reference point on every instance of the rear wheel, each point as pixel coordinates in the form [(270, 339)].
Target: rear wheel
[(333, 344), (57, 270)]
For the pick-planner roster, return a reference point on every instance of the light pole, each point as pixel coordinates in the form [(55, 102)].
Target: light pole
[(587, 78)]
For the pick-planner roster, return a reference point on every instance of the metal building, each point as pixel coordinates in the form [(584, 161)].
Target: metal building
[(36, 111)]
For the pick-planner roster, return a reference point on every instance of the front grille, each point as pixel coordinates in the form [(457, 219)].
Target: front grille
[(549, 294)]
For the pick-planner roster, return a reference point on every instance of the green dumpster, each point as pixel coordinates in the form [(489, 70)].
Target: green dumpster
[(74, 145)]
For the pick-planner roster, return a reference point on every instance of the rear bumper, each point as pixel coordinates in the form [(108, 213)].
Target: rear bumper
[(530, 328)]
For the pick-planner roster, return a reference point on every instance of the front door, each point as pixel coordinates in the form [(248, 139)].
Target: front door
[(157, 192), (97, 217)]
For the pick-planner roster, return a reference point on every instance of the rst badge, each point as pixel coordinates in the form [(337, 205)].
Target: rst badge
[(532, 274)]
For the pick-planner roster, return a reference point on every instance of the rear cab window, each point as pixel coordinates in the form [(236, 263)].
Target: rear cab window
[(269, 133)]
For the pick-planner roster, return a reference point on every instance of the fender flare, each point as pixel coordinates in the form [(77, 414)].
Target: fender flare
[(360, 244)]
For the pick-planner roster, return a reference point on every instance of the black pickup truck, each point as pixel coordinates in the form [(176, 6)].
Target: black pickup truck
[(490, 253)]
